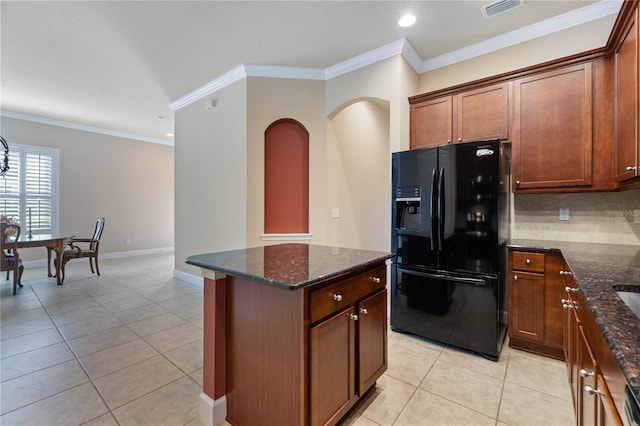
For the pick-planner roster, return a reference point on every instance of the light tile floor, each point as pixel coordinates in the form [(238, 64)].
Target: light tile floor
[(125, 348)]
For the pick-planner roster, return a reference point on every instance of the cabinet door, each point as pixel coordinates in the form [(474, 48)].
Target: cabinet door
[(332, 375), (552, 141), (432, 123), (372, 338), (554, 288), (526, 310), (483, 113), (586, 380), (571, 336), (626, 143)]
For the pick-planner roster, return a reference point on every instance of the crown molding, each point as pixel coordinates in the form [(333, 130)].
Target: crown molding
[(403, 47), (530, 32), (81, 127)]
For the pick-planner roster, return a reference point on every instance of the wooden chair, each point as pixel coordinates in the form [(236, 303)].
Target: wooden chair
[(89, 251), (9, 258)]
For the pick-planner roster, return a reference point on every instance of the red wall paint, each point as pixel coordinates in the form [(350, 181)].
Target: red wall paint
[(286, 177)]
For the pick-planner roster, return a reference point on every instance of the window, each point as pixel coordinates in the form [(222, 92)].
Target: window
[(30, 188)]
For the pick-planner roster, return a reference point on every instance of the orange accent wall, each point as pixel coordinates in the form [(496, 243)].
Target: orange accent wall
[(286, 178)]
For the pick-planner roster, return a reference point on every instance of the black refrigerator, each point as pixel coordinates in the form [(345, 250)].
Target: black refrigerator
[(450, 225)]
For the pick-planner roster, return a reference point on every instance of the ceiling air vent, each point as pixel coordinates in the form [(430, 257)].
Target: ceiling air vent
[(499, 7)]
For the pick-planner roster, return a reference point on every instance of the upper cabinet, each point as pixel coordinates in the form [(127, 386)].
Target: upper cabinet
[(432, 122), (626, 101), (483, 113), (552, 138), (471, 115)]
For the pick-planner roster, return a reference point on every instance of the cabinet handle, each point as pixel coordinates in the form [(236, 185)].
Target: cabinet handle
[(459, 139), (376, 280), (570, 289), (448, 140), (515, 278), (630, 168), (566, 306), (364, 311), (353, 317), (337, 297), (585, 373), (528, 261), (591, 391), (517, 182), (565, 273)]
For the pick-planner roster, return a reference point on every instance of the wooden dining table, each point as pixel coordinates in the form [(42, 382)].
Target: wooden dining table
[(53, 243)]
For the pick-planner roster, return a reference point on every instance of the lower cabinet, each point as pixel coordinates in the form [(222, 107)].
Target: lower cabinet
[(535, 286), (348, 354), (306, 356), (592, 399)]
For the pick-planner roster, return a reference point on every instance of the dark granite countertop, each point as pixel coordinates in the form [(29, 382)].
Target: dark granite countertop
[(290, 266), (597, 268)]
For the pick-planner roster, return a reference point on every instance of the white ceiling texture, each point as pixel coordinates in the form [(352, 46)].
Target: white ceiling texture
[(124, 67)]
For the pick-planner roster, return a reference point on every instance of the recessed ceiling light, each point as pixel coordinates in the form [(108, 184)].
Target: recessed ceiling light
[(407, 21)]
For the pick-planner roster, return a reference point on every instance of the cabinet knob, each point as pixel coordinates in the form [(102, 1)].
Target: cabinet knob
[(515, 278), (459, 139), (591, 391), (528, 261), (585, 373), (448, 140), (353, 317), (376, 280), (364, 311), (566, 306), (337, 297), (630, 168), (517, 182), (565, 273)]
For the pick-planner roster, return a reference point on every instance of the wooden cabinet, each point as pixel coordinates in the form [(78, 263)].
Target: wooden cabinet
[(432, 122), (552, 130), (535, 319), (472, 115), (588, 359), (348, 354), (483, 113), (320, 347), (627, 155)]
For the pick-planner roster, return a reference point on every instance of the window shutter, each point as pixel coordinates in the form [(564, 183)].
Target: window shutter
[(38, 192)]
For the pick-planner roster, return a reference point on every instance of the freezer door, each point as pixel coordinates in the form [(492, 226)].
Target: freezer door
[(457, 310)]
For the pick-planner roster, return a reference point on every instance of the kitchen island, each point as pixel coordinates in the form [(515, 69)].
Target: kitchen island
[(599, 271), (293, 333)]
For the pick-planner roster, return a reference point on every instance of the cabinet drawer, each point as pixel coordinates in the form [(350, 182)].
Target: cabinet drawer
[(528, 261), (344, 293)]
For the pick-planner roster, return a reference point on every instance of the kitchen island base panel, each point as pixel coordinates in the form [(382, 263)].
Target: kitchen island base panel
[(266, 343)]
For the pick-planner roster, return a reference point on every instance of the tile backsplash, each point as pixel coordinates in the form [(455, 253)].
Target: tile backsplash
[(598, 217)]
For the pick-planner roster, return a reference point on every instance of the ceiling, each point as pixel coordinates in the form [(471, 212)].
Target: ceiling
[(120, 66)]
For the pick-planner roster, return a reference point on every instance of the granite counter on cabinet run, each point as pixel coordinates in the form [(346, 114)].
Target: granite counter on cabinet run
[(600, 270), (294, 333)]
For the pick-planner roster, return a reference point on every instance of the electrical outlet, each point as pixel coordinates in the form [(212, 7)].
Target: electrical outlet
[(335, 213), (127, 241), (564, 214)]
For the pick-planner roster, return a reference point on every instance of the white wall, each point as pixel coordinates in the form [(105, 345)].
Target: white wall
[(211, 176), (359, 181), (128, 182)]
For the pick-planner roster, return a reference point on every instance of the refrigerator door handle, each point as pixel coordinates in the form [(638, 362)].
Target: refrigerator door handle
[(432, 209), (441, 210), (476, 282)]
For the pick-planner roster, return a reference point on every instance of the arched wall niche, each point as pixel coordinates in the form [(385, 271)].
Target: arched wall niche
[(286, 178)]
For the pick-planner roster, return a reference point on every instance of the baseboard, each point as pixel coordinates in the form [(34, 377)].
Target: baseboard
[(190, 278), (212, 413)]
